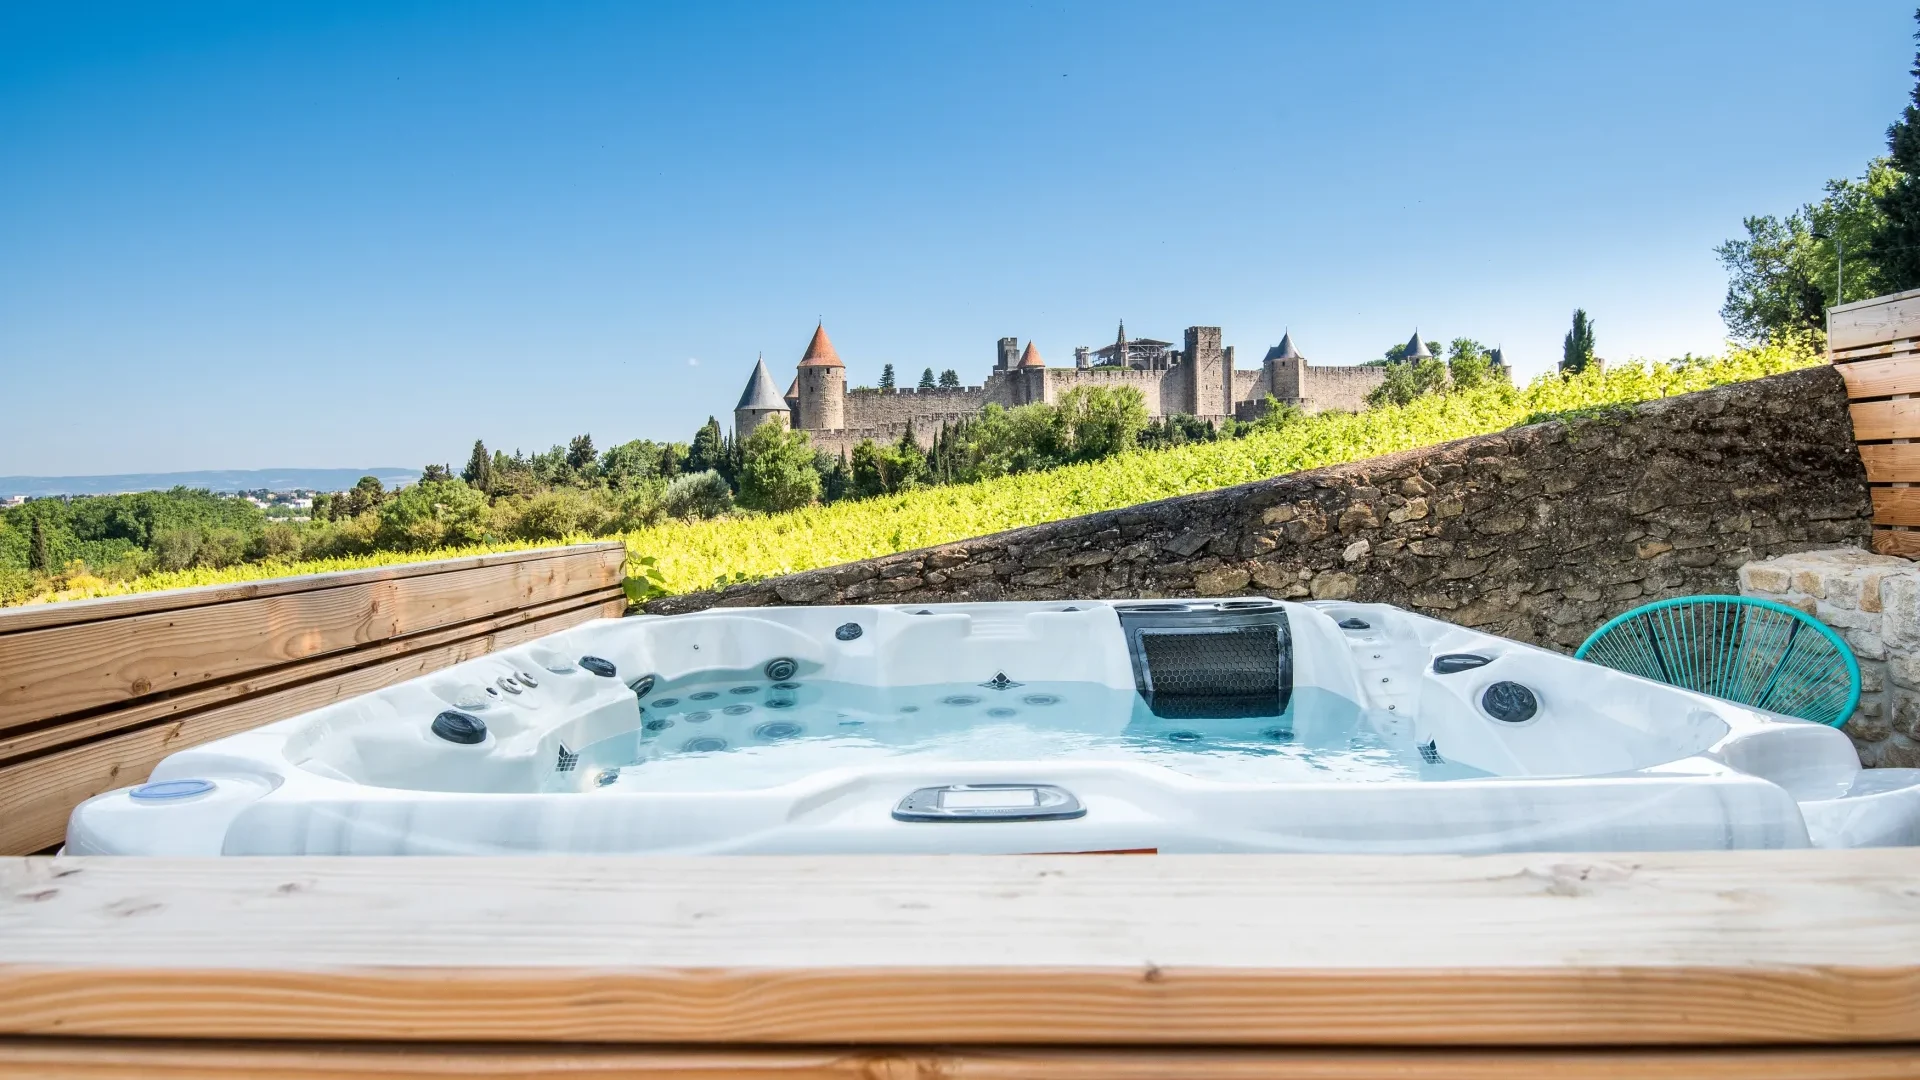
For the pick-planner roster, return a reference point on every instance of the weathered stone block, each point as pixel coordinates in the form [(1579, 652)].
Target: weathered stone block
[(1333, 585), (1224, 581)]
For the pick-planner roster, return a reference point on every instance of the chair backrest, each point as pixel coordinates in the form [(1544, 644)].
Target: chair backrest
[(1755, 652)]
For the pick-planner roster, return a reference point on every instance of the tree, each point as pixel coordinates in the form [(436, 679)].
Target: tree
[(1576, 351), (1784, 274), (926, 379), (776, 470), (581, 456), (673, 459), (436, 474), (886, 377), (949, 380), (479, 471), (1895, 248), (1469, 364), (431, 514), (366, 494), (1101, 421), (706, 451), (39, 559), (630, 463), (887, 470)]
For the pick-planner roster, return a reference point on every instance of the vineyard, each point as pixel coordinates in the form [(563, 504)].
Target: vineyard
[(684, 556)]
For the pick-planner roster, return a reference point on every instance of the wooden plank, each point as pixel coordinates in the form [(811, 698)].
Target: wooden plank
[(1878, 378), (1905, 544), (1651, 949), (37, 794), (84, 1059), (63, 669), (67, 612), (1873, 352), (23, 743), (1874, 420), (1891, 462), (1895, 505), (1853, 325)]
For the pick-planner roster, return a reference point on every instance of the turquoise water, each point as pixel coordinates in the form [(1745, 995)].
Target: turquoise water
[(705, 735)]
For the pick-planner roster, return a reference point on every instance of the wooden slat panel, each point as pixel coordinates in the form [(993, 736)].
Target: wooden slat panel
[(1852, 326), (36, 616), (1895, 506), (1891, 462), (1886, 419), (42, 739), (1878, 378), (1874, 352), (37, 794), (83, 1059), (1905, 544), (55, 670), (1646, 949)]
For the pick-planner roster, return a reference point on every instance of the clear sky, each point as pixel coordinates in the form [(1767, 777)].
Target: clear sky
[(341, 234)]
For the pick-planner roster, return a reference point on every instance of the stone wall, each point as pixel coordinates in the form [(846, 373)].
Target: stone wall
[(1539, 533), (1873, 601)]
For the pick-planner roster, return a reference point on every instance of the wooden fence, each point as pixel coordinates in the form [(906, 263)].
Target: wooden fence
[(1876, 346), (1762, 965), (94, 693)]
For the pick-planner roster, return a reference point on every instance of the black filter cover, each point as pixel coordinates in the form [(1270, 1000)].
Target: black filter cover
[(1509, 701), (459, 727), (602, 668)]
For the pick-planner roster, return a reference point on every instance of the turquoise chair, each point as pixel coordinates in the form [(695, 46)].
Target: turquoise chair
[(1755, 652)]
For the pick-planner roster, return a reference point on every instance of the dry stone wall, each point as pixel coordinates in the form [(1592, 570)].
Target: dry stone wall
[(1873, 602), (1539, 533)]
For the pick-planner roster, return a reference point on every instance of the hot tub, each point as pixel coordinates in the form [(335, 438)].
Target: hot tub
[(1241, 725)]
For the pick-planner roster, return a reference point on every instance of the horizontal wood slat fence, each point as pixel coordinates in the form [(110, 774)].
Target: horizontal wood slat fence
[(94, 693), (1875, 344), (1762, 965)]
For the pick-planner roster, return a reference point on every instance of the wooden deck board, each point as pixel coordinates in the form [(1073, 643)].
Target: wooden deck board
[(1653, 949), (176, 1060)]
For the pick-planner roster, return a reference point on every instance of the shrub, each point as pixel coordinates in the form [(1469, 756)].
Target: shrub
[(697, 495), (430, 514), (776, 472)]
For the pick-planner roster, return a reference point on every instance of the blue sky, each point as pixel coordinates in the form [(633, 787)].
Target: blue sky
[(251, 235)]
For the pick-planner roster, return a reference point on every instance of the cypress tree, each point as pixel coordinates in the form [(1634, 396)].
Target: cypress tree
[(38, 558), (886, 377), (1896, 248), (949, 380), (479, 470), (926, 379), (1576, 350)]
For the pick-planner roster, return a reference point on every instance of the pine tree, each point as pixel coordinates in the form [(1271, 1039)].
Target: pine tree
[(949, 380), (1576, 351), (1896, 249), (479, 471), (39, 560), (926, 379), (886, 377), (581, 456)]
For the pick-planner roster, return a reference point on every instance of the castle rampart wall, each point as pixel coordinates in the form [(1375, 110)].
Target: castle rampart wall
[(1343, 387)]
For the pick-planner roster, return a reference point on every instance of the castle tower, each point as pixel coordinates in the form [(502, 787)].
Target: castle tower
[(1209, 384), (1007, 354), (759, 403), (1286, 373), (1416, 349), (823, 386), (792, 397), (1033, 376), (1082, 357)]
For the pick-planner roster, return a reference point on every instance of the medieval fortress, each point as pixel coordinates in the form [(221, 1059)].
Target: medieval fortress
[(1198, 380)]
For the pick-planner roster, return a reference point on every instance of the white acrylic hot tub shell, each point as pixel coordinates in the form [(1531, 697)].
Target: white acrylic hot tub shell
[(1612, 762)]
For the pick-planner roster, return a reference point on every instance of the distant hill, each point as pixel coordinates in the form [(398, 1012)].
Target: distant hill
[(211, 479)]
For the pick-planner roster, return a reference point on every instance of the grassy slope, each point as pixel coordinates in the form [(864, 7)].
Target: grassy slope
[(693, 555)]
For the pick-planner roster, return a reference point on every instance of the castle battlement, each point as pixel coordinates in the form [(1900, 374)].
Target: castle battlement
[(1197, 380)]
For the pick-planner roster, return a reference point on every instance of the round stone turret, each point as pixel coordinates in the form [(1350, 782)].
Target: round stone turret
[(759, 403), (823, 386)]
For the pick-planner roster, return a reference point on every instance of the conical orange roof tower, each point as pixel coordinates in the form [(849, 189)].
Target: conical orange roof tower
[(820, 351), (1031, 358)]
